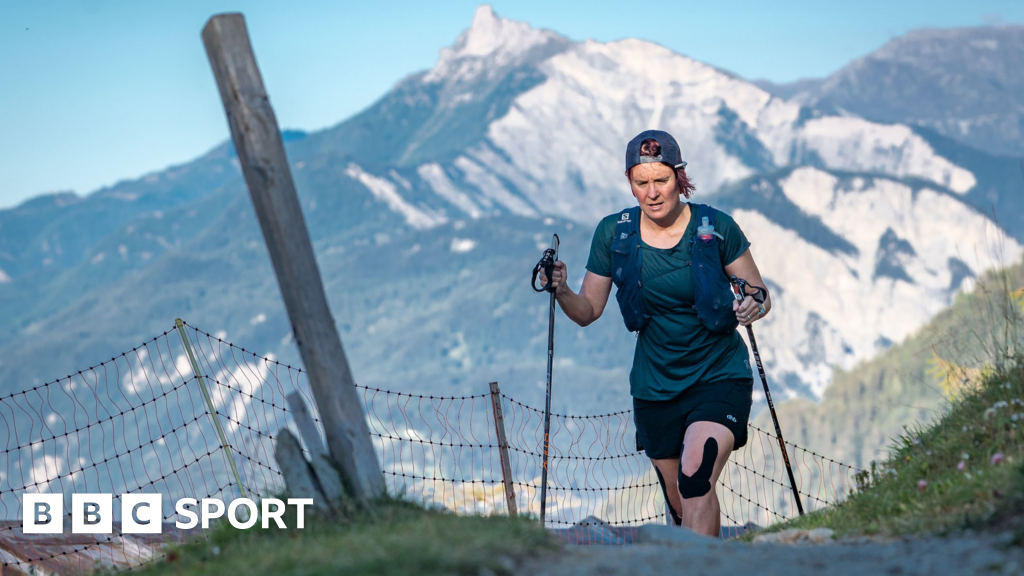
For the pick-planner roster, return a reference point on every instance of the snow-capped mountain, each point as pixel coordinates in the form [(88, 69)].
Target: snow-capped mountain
[(428, 209), (963, 83), (559, 114)]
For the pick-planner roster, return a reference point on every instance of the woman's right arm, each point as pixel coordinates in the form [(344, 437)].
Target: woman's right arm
[(587, 306)]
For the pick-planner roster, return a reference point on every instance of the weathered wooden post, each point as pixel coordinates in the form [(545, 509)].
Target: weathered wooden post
[(298, 476), (261, 153), (506, 465), (319, 458)]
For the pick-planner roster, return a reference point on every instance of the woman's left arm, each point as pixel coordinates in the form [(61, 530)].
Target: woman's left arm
[(747, 311)]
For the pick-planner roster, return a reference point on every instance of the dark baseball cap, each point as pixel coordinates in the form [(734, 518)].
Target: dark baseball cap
[(669, 150)]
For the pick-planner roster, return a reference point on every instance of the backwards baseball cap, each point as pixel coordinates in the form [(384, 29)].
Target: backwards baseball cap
[(669, 150)]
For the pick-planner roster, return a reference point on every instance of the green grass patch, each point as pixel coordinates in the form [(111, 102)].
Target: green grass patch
[(966, 470), (392, 538)]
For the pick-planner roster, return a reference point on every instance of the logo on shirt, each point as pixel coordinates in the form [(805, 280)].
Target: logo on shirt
[(624, 217), (731, 417)]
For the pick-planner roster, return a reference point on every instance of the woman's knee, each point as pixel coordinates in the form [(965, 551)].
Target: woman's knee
[(706, 446), (696, 470)]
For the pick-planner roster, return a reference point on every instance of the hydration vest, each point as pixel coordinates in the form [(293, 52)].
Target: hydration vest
[(713, 296)]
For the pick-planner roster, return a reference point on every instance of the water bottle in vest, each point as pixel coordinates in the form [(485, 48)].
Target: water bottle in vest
[(706, 232)]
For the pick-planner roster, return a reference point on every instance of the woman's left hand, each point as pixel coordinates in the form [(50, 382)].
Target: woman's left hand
[(747, 311)]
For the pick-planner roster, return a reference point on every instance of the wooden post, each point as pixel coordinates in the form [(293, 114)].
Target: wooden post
[(261, 153), (506, 465), (298, 476), (319, 459)]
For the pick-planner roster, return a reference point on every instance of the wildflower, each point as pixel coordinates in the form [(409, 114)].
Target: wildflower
[(922, 485), (917, 441), (997, 458), (961, 466), (990, 412), (965, 456), (1000, 404)]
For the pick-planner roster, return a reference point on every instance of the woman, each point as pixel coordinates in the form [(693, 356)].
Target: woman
[(692, 387)]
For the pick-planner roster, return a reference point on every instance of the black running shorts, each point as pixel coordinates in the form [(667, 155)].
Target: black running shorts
[(660, 425)]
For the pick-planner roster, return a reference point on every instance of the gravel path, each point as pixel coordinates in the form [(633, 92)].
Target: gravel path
[(946, 556)]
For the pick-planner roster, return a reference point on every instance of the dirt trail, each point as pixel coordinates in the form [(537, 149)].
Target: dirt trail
[(946, 556)]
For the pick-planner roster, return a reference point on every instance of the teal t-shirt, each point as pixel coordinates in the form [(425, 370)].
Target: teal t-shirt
[(676, 350)]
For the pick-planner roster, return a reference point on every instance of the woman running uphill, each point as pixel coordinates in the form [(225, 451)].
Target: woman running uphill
[(691, 386)]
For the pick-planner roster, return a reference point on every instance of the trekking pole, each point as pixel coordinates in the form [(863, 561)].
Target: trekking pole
[(739, 286), (547, 263)]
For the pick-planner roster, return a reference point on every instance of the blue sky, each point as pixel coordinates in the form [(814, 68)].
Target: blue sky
[(96, 92)]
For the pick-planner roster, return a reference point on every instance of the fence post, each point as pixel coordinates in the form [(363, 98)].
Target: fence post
[(299, 477), (319, 458), (209, 404), (506, 465), (261, 155)]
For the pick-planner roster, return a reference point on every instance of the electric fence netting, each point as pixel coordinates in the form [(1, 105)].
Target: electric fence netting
[(146, 422)]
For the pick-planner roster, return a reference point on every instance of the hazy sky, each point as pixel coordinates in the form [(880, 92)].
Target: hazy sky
[(99, 91)]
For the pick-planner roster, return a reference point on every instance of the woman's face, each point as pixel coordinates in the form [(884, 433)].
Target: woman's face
[(654, 186)]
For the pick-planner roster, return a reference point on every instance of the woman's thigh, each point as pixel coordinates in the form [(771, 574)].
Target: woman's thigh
[(706, 449)]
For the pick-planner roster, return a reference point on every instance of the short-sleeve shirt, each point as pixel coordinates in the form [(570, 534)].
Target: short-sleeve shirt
[(675, 350)]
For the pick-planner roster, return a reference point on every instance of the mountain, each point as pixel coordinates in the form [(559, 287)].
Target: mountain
[(548, 118), (963, 83), (856, 263), (429, 209)]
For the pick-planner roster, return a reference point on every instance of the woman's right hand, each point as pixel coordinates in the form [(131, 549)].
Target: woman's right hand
[(559, 276)]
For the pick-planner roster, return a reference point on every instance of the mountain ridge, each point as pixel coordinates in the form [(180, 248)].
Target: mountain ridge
[(959, 82)]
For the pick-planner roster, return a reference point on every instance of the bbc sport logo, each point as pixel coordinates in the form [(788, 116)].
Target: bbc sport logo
[(143, 513)]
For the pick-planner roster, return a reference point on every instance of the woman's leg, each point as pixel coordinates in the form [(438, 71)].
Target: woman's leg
[(668, 469), (699, 467), (698, 475)]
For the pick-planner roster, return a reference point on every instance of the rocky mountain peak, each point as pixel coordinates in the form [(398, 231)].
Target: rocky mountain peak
[(498, 41)]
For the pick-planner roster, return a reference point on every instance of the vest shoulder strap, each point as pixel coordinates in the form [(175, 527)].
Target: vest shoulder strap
[(629, 222), (704, 211)]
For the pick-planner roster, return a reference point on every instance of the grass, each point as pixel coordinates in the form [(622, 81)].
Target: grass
[(966, 470), (392, 538), (866, 407)]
